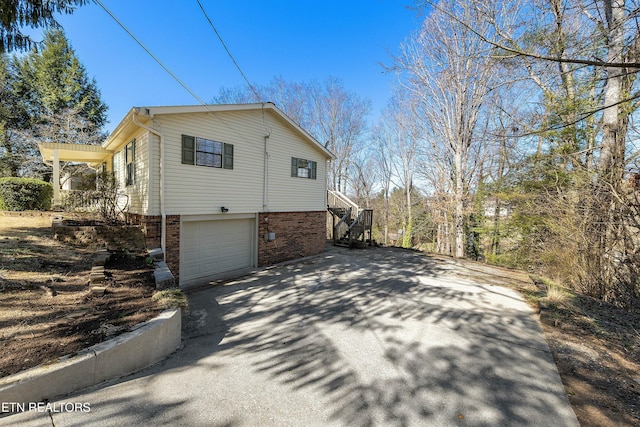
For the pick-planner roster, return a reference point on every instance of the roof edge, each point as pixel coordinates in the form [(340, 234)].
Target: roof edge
[(151, 111)]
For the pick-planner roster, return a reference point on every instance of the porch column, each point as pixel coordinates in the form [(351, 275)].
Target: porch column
[(56, 177)]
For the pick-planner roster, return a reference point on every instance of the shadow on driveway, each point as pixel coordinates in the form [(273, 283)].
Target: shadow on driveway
[(358, 338), (388, 337)]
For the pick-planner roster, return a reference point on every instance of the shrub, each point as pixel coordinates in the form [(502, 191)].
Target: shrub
[(23, 194), (171, 298)]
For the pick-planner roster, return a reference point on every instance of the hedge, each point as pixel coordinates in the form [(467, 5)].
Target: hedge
[(24, 194)]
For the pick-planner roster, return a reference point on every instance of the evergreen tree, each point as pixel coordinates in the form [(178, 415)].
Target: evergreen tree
[(53, 81), (13, 117), (16, 14), (46, 96)]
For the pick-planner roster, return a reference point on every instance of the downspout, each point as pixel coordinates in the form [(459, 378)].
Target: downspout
[(265, 203), (163, 226)]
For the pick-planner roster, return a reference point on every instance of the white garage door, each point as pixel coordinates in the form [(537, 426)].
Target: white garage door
[(211, 248)]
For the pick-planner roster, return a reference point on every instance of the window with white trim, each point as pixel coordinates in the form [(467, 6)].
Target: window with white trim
[(302, 168), (206, 152)]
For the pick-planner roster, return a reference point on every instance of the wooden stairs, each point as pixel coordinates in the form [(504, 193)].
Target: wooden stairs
[(352, 226)]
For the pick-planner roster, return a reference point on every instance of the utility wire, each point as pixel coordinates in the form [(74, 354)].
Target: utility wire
[(171, 73), (253, 89)]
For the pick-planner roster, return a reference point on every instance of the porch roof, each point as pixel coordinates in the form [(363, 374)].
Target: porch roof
[(73, 152)]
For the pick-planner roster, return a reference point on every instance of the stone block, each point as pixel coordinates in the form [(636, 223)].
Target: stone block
[(101, 259), (98, 290), (95, 279), (156, 254), (163, 276)]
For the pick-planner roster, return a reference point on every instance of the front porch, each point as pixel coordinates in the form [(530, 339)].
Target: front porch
[(54, 153)]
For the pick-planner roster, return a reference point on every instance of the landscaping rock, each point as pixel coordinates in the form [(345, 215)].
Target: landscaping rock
[(98, 290), (163, 276)]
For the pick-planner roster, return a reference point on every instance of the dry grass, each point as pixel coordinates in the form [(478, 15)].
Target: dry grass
[(46, 308), (556, 295)]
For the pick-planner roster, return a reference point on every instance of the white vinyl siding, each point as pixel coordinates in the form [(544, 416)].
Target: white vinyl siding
[(118, 168), (287, 193), (197, 190), (154, 176), (192, 189), (139, 191)]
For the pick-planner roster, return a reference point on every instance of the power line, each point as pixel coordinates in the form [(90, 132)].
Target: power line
[(253, 89), (171, 73), (164, 67)]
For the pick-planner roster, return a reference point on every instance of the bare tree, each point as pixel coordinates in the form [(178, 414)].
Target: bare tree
[(365, 175), (339, 121), (449, 69), (333, 115), (384, 144), (67, 126), (584, 57)]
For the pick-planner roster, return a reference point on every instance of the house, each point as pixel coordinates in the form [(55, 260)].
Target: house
[(220, 188)]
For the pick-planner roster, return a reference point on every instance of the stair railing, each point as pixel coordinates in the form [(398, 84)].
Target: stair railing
[(362, 224), (341, 229), (336, 199)]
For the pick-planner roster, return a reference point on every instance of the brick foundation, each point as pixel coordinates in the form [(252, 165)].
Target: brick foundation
[(173, 245), (151, 225), (297, 234)]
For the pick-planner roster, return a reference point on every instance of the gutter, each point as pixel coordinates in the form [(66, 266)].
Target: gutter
[(163, 230)]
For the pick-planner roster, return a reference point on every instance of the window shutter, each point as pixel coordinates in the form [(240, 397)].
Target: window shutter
[(314, 166), (188, 150), (294, 167), (227, 162)]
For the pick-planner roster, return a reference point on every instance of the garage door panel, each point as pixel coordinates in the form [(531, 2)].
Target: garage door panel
[(211, 248)]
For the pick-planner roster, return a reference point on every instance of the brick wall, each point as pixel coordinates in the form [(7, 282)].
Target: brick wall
[(172, 254), (298, 234), (151, 225)]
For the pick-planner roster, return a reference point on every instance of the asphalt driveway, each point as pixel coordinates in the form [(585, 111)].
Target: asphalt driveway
[(373, 337)]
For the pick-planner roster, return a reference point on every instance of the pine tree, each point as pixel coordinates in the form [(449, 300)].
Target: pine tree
[(47, 96), (53, 81), (16, 14)]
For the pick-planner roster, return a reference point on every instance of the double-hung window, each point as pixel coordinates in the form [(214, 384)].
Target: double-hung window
[(301, 168), (130, 163), (205, 152)]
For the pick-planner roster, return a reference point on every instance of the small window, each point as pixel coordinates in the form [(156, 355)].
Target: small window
[(205, 152), (130, 164), (301, 168)]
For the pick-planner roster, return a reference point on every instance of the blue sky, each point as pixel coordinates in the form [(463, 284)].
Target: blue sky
[(297, 40)]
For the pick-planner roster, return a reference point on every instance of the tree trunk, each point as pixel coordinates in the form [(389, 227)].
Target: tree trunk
[(603, 257), (406, 238), (611, 162), (459, 205)]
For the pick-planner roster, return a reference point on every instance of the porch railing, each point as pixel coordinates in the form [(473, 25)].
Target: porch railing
[(80, 200), (111, 207)]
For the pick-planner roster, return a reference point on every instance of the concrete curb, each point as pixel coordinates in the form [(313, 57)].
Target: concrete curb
[(147, 344)]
